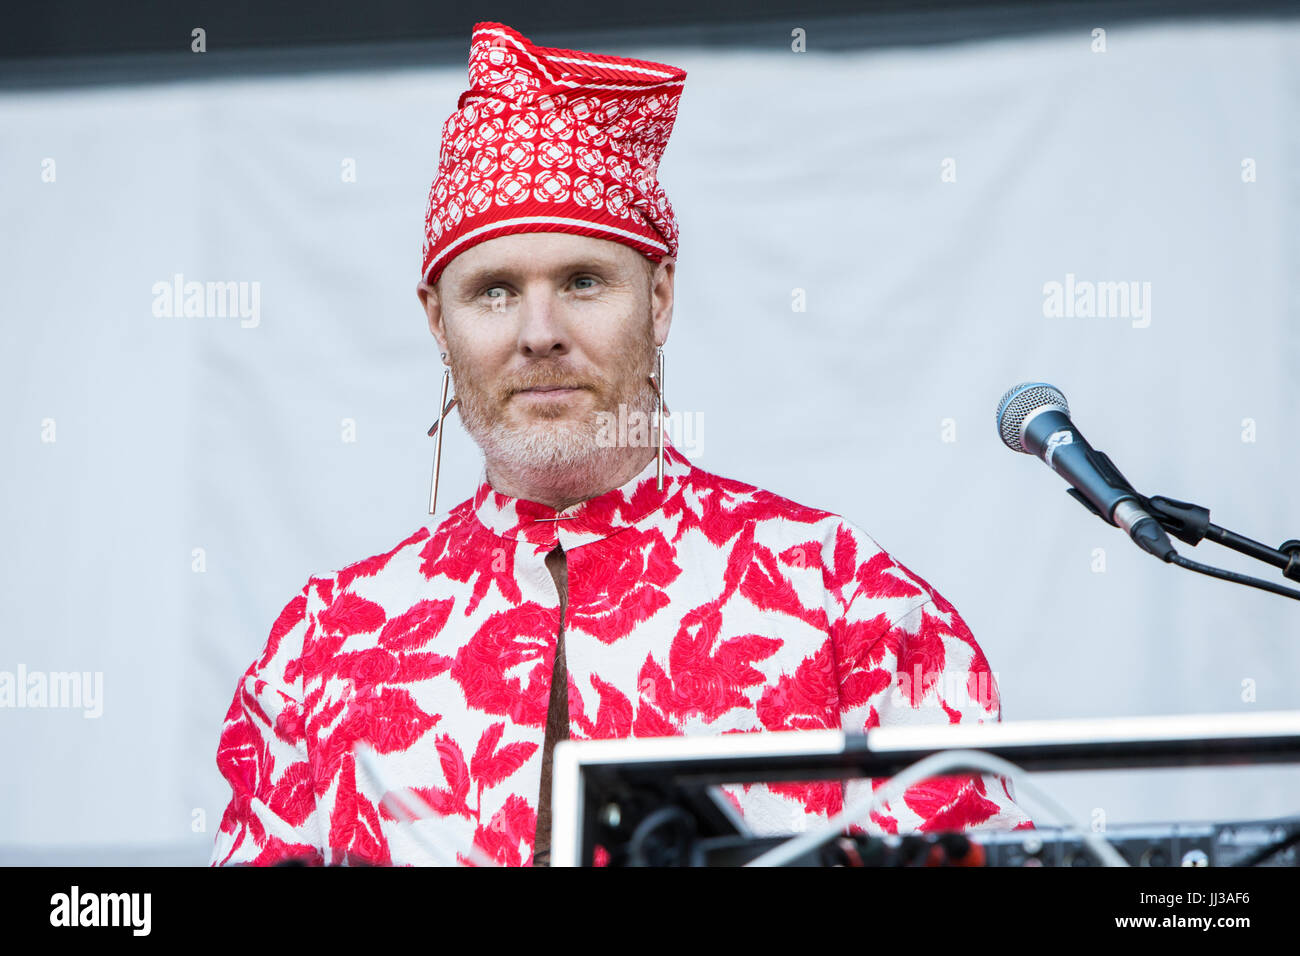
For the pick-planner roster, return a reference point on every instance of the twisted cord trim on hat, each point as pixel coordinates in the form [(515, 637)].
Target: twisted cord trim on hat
[(503, 34), (639, 88), (594, 61), (622, 65), (471, 95), (538, 220)]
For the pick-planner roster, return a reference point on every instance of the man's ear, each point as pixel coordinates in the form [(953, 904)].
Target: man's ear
[(661, 297), (428, 296)]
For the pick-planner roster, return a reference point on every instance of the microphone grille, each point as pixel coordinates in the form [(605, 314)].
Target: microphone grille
[(1019, 403)]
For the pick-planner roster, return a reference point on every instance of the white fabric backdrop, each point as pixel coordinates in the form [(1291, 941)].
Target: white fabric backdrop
[(788, 171)]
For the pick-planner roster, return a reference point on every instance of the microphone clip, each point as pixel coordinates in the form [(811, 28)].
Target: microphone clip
[(1185, 521)]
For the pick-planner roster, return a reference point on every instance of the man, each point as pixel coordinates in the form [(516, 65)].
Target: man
[(578, 594)]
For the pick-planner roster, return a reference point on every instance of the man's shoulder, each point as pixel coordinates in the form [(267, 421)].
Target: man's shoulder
[(403, 559), (722, 497), (851, 558), (720, 494)]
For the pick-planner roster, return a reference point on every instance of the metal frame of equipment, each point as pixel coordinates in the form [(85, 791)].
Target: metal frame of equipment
[(590, 778)]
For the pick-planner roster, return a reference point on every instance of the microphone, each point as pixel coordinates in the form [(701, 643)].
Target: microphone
[(1034, 418)]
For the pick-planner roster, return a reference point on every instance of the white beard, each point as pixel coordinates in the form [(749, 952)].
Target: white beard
[(562, 455), (541, 447)]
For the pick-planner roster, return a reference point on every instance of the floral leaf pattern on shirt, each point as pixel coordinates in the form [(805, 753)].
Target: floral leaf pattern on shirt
[(712, 607), (613, 718), (631, 573), (444, 556), (505, 668), (489, 765)]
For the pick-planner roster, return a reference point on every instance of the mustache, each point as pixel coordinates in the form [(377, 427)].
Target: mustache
[(539, 375), (549, 376)]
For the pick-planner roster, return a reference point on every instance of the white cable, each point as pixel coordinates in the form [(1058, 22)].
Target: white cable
[(933, 766), (396, 801)]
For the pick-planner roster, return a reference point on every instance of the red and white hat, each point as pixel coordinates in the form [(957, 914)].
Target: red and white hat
[(549, 140)]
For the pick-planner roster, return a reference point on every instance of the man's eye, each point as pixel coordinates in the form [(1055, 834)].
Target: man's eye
[(585, 279), (495, 288)]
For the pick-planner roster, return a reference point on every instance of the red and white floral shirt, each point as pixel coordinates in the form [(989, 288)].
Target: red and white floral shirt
[(707, 608)]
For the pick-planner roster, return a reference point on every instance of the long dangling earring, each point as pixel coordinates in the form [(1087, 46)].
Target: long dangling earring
[(437, 430), (657, 380)]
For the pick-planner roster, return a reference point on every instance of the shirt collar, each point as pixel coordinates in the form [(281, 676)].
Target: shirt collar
[(587, 521)]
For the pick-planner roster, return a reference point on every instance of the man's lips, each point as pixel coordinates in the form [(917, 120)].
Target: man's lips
[(549, 394)]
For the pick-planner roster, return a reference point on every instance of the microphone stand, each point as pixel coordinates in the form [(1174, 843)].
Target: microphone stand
[(1191, 523)]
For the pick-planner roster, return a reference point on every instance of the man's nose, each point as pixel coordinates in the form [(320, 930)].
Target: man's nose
[(541, 323)]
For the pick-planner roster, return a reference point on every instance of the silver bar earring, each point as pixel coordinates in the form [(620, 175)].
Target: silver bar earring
[(437, 431), (657, 380)]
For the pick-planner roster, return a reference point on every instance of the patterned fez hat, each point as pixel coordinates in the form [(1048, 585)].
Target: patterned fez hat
[(550, 140)]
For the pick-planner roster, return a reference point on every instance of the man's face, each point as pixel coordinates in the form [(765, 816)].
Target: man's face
[(542, 332)]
